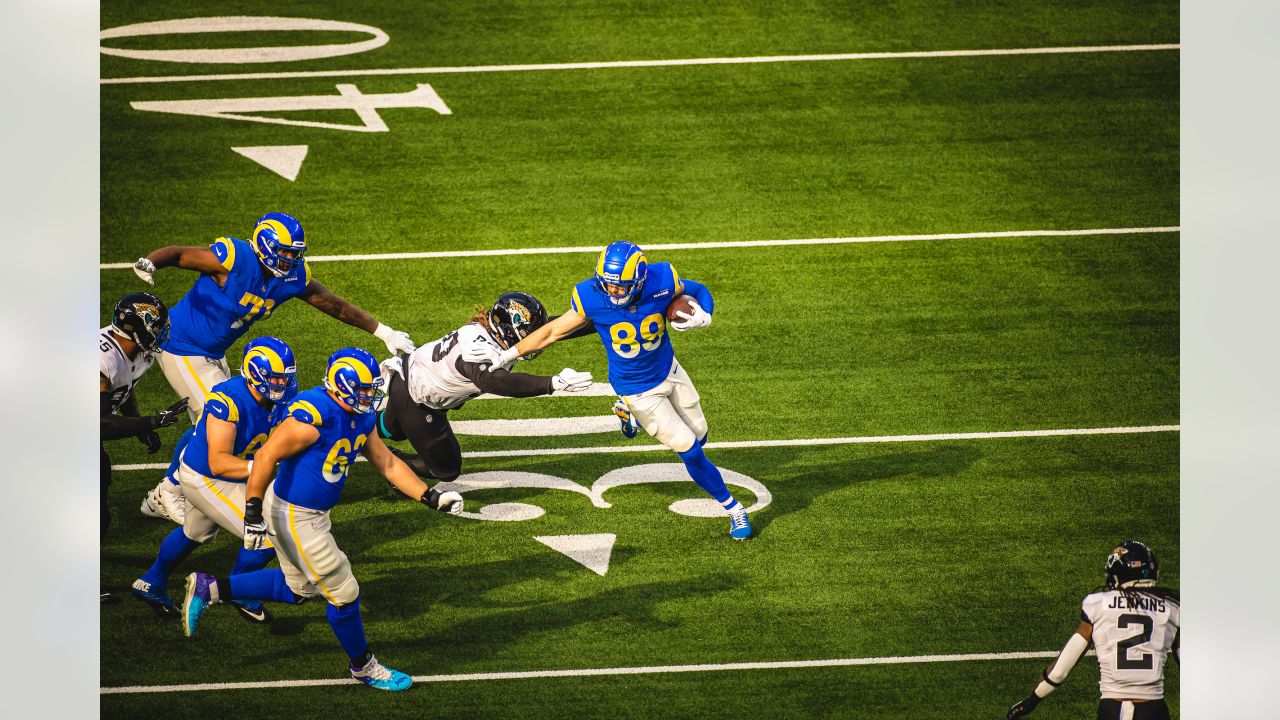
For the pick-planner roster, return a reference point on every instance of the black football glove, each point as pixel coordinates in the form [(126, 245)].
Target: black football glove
[(1023, 708), (151, 440), (255, 527), (169, 415), (449, 502)]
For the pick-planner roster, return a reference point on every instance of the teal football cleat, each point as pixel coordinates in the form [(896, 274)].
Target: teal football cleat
[(376, 675), (739, 525), (156, 597), (200, 595)]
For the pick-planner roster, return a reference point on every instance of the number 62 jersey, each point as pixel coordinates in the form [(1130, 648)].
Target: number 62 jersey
[(1133, 632)]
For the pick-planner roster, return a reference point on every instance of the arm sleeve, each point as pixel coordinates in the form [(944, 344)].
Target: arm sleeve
[(699, 293), (1067, 659), (114, 427), (504, 382)]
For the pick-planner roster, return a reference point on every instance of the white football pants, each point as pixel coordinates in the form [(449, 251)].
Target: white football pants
[(309, 556), (193, 377), (672, 411)]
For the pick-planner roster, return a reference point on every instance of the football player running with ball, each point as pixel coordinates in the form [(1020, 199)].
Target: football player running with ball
[(240, 283), (1134, 625), (627, 301), (238, 416), (435, 379), (315, 446)]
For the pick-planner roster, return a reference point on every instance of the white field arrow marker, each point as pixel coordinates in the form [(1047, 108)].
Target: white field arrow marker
[(591, 550), (283, 160)]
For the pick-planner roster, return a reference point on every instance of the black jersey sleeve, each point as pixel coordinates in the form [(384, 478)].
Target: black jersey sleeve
[(504, 382)]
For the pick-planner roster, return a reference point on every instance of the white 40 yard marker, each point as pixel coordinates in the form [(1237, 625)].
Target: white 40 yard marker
[(349, 97)]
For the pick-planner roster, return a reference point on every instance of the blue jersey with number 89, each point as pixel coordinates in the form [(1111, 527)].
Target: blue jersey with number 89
[(314, 478), (635, 336), (209, 318)]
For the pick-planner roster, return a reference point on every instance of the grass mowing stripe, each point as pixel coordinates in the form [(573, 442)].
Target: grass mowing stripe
[(785, 443), (644, 63), (584, 672), (726, 244)]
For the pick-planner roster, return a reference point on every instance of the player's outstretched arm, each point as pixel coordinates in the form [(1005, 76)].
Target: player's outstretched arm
[(406, 481), (200, 259), (553, 332), (1057, 671), (320, 297)]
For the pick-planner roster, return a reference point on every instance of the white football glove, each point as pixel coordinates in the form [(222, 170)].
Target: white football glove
[(570, 380), (143, 269), (699, 319), (506, 358), (397, 341), (449, 501)]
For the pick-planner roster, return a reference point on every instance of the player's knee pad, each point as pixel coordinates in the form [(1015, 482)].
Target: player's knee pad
[(199, 533), (344, 591)]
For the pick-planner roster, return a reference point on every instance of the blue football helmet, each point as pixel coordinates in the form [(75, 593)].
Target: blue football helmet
[(269, 367), (622, 265), (355, 378), (279, 242)]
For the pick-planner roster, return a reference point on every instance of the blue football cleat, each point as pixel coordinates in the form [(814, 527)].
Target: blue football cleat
[(376, 675), (630, 428), (156, 597), (199, 597), (739, 525), (252, 610)]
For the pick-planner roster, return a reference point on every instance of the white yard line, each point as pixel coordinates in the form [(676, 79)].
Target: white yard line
[(801, 442), (726, 244), (640, 63), (588, 672)]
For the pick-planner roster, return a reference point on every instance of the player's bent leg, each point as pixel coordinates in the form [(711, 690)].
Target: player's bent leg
[(250, 561), (221, 502), (152, 587), (687, 403)]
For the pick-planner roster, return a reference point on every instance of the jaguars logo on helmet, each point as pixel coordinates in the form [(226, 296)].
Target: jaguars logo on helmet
[(141, 317), (1132, 564), (513, 317), (279, 242), (269, 367), (622, 265), (355, 378)]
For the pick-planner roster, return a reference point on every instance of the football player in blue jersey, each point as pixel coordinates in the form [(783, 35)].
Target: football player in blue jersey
[(315, 446), (627, 301), (240, 283), (238, 416)]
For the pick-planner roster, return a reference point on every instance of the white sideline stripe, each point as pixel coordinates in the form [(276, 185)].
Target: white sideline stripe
[(639, 63), (785, 443), (586, 672), (726, 244)]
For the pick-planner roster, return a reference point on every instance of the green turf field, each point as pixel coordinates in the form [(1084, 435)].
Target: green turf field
[(946, 547)]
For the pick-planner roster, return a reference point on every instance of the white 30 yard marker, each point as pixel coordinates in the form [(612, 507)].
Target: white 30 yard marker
[(646, 63), (589, 672), (593, 249)]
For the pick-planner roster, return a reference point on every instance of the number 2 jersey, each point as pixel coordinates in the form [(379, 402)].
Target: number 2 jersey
[(209, 319), (231, 401), (635, 337), (439, 379), (314, 477), (1133, 636)]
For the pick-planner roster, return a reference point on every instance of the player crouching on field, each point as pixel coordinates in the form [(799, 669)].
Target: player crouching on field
[(1134, 624), (315, 447), (237, 418), (435, 379), (627, 301)]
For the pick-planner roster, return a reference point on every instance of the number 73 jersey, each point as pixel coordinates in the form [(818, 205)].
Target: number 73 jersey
[(635, 337), (1133, 635)]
